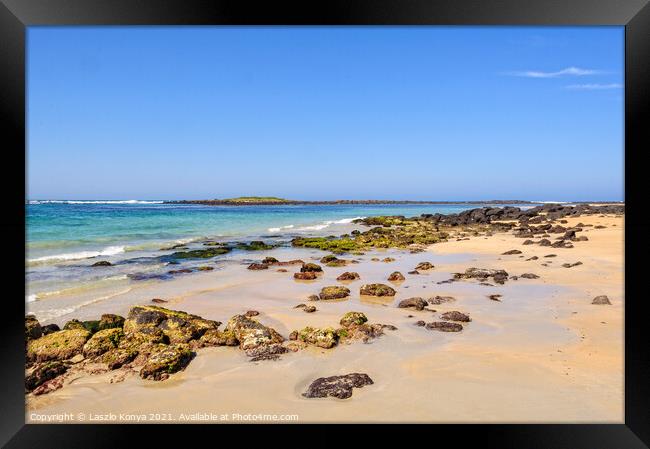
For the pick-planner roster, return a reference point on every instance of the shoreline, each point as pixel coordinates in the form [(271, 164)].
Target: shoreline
[(511, 345)]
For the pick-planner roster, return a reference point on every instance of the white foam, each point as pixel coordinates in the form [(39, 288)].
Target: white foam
[(325, 224), (30, 298), (281, 228), (108, 251)]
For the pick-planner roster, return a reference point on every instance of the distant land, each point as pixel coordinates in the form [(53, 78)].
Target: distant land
[(271, 201)]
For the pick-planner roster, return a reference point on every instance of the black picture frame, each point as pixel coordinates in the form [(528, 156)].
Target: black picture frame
[(16, 15)]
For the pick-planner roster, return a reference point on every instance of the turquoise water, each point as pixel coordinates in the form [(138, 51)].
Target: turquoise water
[(64, 238)]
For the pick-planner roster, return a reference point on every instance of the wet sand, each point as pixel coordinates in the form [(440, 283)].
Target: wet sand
[(543, 353)]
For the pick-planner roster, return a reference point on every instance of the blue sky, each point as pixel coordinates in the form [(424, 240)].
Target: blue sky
[(445, 113)]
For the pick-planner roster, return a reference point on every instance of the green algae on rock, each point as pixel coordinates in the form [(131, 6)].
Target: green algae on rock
[(377, 290), (43, 372), (323, 338), (334, 292), (168, 360), (103, 341), (353, 318), (251, 333), (200, 253), (60, 345)]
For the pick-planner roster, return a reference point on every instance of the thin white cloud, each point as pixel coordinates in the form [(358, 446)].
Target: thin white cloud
[(595, 86), (569, 71)]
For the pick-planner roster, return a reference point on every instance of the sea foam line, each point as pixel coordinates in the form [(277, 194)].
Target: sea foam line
[(108, 251)]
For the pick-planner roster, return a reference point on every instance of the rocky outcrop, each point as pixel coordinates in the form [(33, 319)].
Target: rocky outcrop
[(103, 341), (32, 328), (334, 292), (337, 386), (377, 290), (60, 345)]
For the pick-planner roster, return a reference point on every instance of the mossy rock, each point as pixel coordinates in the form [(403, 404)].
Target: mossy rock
[(44, 372), (396, 276), (103, 341), (329, 258), (348, 276), (33, 328), (270, 260), (91, 326), (118, 357), (166, 361), (424, 266), (255, 245), (337, 263), (200, 253), (178, 326), (323, 338), (251, 333), (351, 318), (60, 345), (110, 321), (336, 246), (377, 290), (310, 267), (334, 292), (215, 337)]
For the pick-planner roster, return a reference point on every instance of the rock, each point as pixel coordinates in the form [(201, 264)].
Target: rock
[(413, 303), (91, 326), (177, 326), (424, 266), (388, 259), (337, 386), (199, 253), (309, 309), (117, 358), (33, 328), (568, 235), (512, 251), (456, 316), (102, 341), (310, 267), (167, 360), (337, 263), (215, 337), (545, 242), (49, 328), (158, 301), (529, 276), (444, 326), (266, 352), (305, 276), (250, 313), (313, 298), (601, 300), (600, 227), (348, 276), (282, 270), (44, 372), (300, 306), (437, 300), (570, 265), (334, 292), (377, 290), (329, 258), (204, 268), (551, 255), (255, 245), (420, 323), (59, 345), (396, 276), (414, 272), (351, 318), (582, 238), (110, 321), (181, 271), (251, 333), (532, 258), (102, 263), (323, 338), (528, 242), (495, 297), (499, 276), (270, 260), (258, 266)]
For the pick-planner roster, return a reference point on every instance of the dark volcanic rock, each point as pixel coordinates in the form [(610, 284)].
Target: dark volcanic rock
[(102, 263), (396, 276), (32, 328), (512, 251), (456, 316), (348, 276), (570, 265), (495, 297), (499, 276), (601, 300), (337, 386), (413, 303), (258, 266), (444, 326), (529, 276), (436, 300)]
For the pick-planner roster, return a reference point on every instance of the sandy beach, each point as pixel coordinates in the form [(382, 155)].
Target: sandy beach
[(543, 353)]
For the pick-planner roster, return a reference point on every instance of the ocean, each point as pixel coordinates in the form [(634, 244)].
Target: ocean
[(64, 238)]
